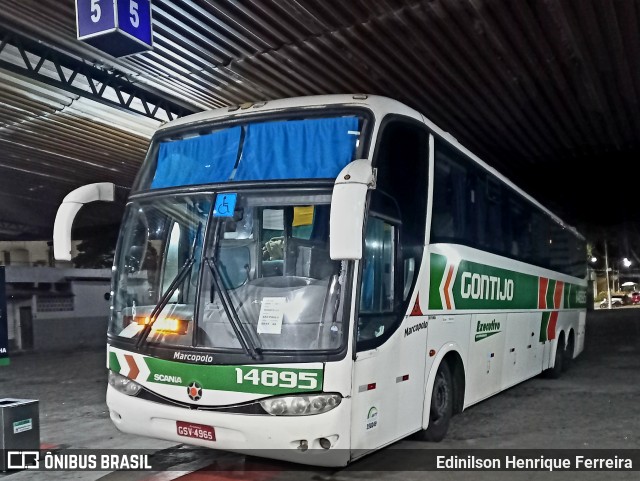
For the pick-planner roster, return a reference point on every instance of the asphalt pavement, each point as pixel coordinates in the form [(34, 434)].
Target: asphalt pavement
[(592, 406)]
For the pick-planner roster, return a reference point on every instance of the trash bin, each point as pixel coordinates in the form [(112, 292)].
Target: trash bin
[(19, 427)]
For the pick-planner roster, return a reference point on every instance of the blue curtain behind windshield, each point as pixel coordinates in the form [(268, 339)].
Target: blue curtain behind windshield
[(199, 160), (297, 149)]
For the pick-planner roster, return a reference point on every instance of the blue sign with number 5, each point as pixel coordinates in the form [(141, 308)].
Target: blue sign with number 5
[(118, 27), (134, 17), (95, 16)]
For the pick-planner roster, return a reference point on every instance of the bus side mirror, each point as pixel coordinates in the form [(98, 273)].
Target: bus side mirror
[(67, 211), (348, 205)]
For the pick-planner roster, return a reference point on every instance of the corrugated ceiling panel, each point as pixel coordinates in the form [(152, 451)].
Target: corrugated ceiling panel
[(517, 82)]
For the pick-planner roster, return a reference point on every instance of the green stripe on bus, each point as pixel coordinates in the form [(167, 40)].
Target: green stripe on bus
[(480, 286), (114, 365), (544, 323), (247, 379), (438, 265), (576, 298), (4, 361), (551, 289)]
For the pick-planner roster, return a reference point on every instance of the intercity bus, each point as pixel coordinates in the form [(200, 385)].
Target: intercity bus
[(320, 277)]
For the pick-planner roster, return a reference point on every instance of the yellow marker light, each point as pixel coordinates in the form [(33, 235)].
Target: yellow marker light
[(165, 324)]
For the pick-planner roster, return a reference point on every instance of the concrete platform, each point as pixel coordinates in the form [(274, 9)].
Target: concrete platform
[(594, 405)]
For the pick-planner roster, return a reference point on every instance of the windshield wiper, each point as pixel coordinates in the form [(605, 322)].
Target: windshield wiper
[(175, 283), (243, 336)]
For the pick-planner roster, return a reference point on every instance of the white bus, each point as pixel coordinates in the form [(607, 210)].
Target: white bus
[(320, 277)]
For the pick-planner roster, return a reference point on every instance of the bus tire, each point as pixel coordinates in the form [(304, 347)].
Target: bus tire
[(555, 371), (441, 408), (567, 358)]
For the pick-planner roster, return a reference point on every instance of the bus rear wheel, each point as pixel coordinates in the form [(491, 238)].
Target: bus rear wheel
[(568, 353), (441, 405), (555, 371)]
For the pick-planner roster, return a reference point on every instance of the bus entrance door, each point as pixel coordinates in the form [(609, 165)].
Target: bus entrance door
[(388, 385)]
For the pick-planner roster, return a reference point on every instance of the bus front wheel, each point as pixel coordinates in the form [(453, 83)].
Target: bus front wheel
[(441, 405)]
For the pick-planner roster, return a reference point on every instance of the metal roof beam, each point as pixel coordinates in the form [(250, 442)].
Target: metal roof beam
[(109, 87)]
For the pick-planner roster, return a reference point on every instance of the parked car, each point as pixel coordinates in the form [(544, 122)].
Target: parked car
[(634, 297), (615, 302)]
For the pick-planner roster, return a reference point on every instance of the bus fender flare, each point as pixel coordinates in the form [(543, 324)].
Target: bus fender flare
[(442, 352), (560, 342), (556, 355)]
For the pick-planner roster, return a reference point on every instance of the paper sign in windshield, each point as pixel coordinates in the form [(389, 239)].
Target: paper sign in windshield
[(271, 314)]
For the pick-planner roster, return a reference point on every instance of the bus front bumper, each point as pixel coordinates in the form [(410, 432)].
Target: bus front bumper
[(277, 437)]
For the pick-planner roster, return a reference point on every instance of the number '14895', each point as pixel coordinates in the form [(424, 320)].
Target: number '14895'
[(286, 379)]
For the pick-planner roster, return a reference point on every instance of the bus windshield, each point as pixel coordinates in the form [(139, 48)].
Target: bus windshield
[(223, 271)]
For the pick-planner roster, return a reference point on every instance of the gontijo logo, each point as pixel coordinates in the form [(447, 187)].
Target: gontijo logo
[(460, 284), (482, 286)]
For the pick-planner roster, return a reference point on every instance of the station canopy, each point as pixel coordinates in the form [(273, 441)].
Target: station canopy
[(546, 91)]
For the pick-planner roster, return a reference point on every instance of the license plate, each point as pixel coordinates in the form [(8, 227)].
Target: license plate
[(197, 431)]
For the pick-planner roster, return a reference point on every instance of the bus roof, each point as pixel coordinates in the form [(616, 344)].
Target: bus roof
[(379, 105)]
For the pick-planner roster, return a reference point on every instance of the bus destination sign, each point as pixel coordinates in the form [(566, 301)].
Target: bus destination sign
[(117, 27)]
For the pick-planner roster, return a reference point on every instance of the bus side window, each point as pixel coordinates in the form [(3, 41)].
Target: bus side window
[(395, 231), (453, 198), (493, 226), (377, 296), (409, 274), (443, 223)]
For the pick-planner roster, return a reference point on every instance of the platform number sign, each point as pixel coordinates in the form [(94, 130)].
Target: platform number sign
[(118, 27), (4, 328)]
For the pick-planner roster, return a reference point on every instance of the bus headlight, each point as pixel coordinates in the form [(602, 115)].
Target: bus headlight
[(301, 405), (123, 384)]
